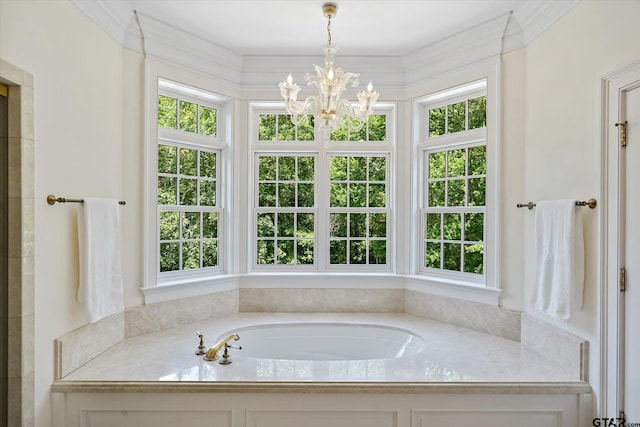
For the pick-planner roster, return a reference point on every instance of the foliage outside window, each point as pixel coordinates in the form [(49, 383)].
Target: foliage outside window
[(358, 209), (285, 216), (453, 214), (289, 205), (189, 215)]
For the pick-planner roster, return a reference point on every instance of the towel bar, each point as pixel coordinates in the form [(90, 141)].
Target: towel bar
[(51, 199), (592, 203)]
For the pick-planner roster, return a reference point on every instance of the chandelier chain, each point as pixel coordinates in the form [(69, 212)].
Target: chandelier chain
[(329, 30)]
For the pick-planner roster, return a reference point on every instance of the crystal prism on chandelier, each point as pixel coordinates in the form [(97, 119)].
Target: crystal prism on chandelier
[(328, 107)]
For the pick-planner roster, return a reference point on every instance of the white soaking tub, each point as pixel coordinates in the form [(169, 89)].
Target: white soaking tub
[(322, 341)]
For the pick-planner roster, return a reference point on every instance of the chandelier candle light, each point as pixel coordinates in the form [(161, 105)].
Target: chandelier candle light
[(328, 107)]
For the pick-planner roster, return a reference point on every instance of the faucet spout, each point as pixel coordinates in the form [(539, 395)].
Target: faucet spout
[(212, 354)]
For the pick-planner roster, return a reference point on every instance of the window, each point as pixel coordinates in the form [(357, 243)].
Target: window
[(454, 183), (189, 208), (321, 206)]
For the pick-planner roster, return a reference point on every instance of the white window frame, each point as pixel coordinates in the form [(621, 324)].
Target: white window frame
[(162, 79), (465, 284), (321, 151)]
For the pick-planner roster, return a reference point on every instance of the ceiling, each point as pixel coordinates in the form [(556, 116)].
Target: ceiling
[(298, 27)]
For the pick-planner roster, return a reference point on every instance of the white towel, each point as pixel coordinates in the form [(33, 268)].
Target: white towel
[(560, 258), (101, 288)]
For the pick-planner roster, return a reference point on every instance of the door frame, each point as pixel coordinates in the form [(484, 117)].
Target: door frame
[(611, 299)]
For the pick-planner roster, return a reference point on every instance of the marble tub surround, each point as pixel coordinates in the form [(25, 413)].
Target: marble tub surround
[(82, 345), (321, 300), (558, 346), (144, 319), (453, 355), (479, 317)]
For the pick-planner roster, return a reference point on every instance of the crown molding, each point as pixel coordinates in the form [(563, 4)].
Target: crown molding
[(255, 73)]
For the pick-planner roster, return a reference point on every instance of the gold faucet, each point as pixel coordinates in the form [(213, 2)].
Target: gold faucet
[(212, 354)]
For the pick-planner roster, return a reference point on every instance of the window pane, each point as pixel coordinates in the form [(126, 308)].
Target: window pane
[(357, 252), (306, 168), (188, 162), (377, 196), (167, 159), (452, 256), (207, 164), (377, 169), (267, 168), (378, 252), (433, 226), (432, 255), (358, 168), (436, 165), (167, 117), (478, 160), (456, 163), (306, 131), (455, 196), (287, 195), (207, 193), (167, 191), (169, 224), (378, 225), (338, 169), (305, 251), (357, 195), (338, 224), (285, 252), (477, 187), (267, 127), (208, 117), (474, 227), (286, 168), (191, 225), (188, 117), (266, 223), (305, 195), (210, 253), (452, 226), (209, 225), (473, 258), (305, 225), (456, 117), (377, 127), (286, 129), (437, 121), (358, 225), (436, 193), (358, 135), (338, 252), (267, 194), (478, 113), (265, 251), (190, 255), (188, 191), (285, 224), (338, 195), (169, 257)]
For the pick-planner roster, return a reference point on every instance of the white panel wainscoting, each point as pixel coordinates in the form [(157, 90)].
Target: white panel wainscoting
[(317, 409)]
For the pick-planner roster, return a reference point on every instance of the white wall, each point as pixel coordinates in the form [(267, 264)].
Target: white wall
[(564, 67), (78, 81)]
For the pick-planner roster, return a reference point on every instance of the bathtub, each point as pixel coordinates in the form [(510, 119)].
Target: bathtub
[(343, 370), (326, 341)]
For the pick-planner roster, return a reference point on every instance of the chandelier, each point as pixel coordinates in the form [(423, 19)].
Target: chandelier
[(330, 111)]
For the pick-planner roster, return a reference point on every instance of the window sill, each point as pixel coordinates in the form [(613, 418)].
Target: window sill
[(436, 286), (454, 289), (186, 288)]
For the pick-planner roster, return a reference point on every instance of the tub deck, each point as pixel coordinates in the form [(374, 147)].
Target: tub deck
[(456, 360)]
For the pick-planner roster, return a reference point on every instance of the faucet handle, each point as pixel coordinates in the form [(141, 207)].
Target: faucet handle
[(225, 356), (200, 351)]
